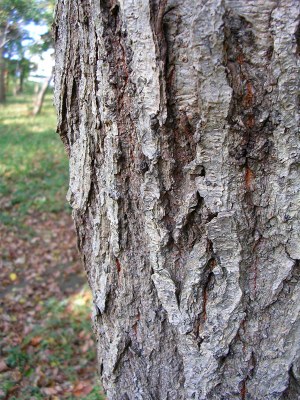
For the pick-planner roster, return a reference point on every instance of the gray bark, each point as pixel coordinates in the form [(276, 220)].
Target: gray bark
[(181, 121)]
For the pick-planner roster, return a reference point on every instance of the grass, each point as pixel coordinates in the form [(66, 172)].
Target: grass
[(49, 352), (33, 163)]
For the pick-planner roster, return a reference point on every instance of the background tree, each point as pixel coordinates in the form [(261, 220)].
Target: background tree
[(14, 15), (17, 61), (45, 45), (38, 104), (181, 121)]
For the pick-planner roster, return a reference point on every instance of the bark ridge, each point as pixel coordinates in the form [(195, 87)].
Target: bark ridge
[(181, 122)]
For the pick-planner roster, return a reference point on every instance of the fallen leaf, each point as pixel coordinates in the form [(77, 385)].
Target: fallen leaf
[(82, 388), (85, 347), (49, 391), (20, 260), (3, 366), (13, 276), (35, 341)]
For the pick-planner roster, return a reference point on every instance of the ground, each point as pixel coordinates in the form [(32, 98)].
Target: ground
[(46, 342)]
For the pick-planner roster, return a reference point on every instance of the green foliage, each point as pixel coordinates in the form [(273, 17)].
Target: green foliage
[(15, 40), (14, 15), (21, 11), (17, 358), (46, 42)]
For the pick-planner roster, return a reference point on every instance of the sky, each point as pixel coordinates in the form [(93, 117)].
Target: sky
[(46, 62)]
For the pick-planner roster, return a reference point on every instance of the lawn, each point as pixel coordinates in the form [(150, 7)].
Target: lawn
[(47, 349), (33, 164)]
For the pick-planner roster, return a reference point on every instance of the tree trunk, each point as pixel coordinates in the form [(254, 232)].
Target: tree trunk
[(36, 88), (21, 81), (2, 75), (181, 121), (41, 96)]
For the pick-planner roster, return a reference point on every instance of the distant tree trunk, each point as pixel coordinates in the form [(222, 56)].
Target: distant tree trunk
[(2, 74), (181, 121), (6, 81), (21, 81), (24, 67), (36, 88), (41, 96)]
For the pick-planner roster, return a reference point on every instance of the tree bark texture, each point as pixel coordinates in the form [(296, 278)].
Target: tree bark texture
[(181, 121)]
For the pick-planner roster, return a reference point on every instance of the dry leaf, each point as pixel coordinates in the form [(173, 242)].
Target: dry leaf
[(82, 388), (13, 276), (3, 366), (85, 347), (49, 391), (35, 341)]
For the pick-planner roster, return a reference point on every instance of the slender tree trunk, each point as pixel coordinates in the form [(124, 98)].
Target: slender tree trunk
[(3, 72), (41, 96), (2, 76), (21, 82), (6, 80), (181, 121), (36, 88)]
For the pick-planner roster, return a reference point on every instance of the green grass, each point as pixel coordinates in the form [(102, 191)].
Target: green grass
[(33, 163)]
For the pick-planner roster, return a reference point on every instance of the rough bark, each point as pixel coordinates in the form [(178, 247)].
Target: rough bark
[(181, 120)]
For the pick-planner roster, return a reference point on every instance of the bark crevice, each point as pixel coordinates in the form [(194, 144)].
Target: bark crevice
[(181, 123)]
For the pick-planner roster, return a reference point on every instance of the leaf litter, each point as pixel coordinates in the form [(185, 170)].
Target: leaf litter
[(47, 349)]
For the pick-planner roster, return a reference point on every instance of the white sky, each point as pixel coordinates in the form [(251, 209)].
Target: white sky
[(46, 62)]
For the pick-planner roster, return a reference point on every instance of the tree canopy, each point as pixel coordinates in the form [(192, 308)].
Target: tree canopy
[(14, 16)]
